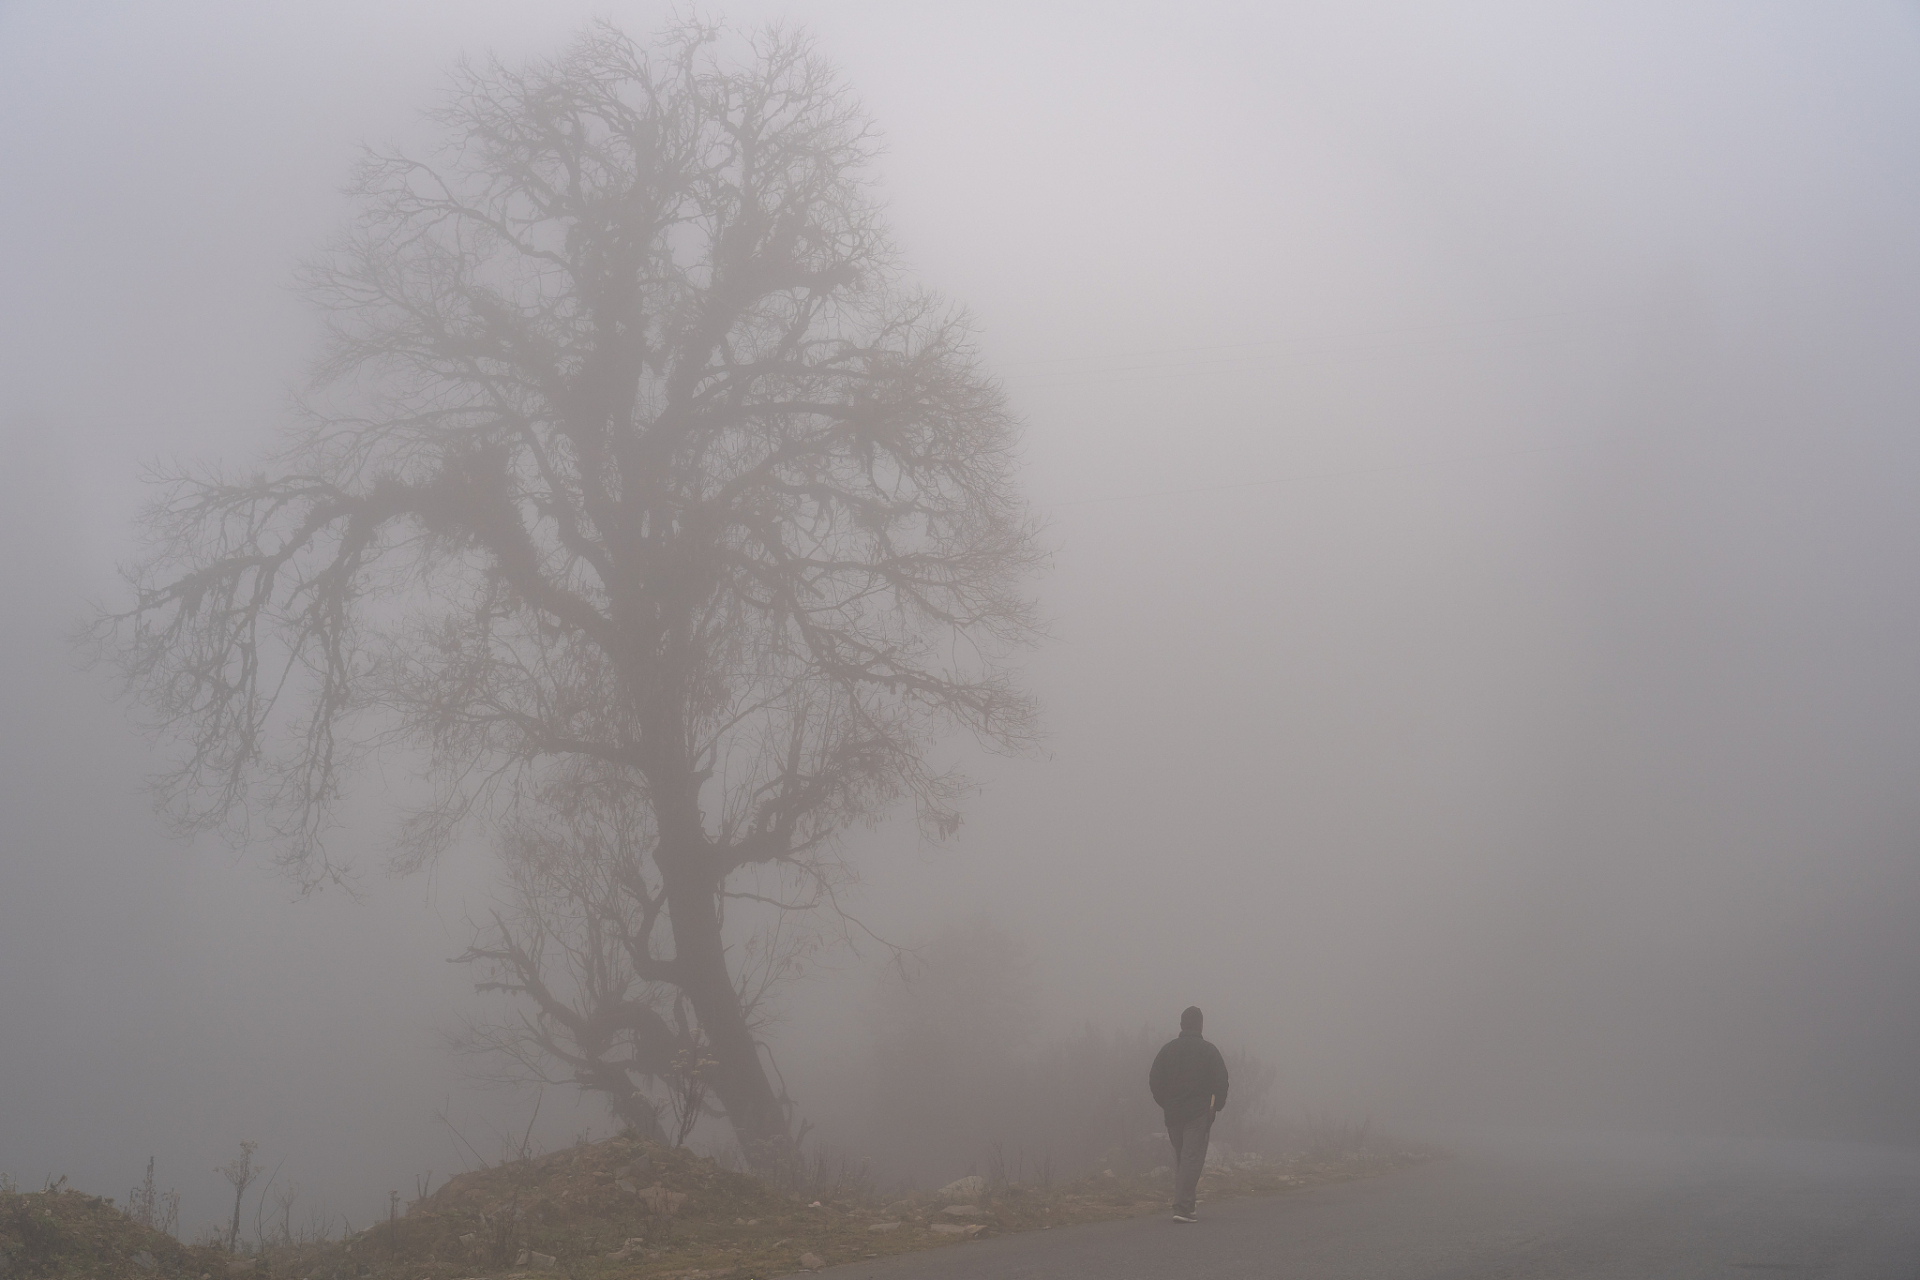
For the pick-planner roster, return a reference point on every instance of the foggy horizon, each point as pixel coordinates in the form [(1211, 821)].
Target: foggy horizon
[(1479, 476)]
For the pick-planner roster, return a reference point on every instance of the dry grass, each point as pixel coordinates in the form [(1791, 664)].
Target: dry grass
[(688, 1218), (627, 1209)]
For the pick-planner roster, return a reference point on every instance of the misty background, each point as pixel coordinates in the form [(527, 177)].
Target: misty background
[(1480, 461)]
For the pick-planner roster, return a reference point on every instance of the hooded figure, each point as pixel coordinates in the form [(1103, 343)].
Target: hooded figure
[(1189, 1081)]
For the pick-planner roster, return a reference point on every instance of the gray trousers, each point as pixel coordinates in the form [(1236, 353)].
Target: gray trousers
[(1189, 1158)]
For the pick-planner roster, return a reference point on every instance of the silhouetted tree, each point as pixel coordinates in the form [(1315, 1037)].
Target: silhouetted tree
[(637, 481), (241, 1174), (584, 915)]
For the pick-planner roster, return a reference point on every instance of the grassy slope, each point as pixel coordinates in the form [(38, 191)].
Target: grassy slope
[(689, 1219)]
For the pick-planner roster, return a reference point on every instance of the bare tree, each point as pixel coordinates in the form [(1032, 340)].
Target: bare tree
[(691, 1068), (151, 1207), (241, 1174), (635, 473)]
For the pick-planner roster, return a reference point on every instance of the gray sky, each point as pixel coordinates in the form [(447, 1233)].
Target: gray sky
[(1479, 448)]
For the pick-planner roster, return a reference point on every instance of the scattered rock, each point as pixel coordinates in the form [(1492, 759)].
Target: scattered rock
[(625, 1185), (884, 1226), (534, 1258), (947, 1228), (662, 1201), (962, 1211), (143, 1260), (468, 1239), (812, 1261), (628, 1248), (967, 1188)]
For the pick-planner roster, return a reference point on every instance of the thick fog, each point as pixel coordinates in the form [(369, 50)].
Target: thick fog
[(1478, 450)]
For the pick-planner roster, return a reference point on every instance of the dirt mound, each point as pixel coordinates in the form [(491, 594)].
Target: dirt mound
[(616, 1208), (583, 1202), (619, 1179), (629, 1209), (62, 1232)]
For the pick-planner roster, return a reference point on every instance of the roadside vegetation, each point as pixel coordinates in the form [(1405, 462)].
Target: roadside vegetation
[(631, 1208)]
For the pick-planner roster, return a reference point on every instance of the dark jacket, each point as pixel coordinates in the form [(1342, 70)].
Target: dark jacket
[(1188, 1076)]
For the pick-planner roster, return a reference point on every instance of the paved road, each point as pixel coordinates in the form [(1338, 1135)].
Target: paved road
[(1647, 1210)]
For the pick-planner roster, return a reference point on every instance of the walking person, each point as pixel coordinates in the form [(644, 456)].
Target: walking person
[(1189, 1081)]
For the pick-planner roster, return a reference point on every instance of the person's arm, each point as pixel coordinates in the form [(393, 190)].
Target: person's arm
[(1219, 1080), (1157, 1078)]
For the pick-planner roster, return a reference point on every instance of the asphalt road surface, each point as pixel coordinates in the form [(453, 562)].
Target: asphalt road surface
[(1535, 1211)]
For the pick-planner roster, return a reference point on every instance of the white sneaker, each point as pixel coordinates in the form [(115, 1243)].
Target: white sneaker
[(1184, 1217)]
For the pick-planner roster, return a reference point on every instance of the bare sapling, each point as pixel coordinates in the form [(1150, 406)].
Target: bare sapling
[(151, 1207), (240, 1173)]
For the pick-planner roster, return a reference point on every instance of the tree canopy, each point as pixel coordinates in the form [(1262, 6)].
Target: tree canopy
[(635, 481)]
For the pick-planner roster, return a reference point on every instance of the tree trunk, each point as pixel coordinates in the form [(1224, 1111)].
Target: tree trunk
[(629, 1105), (740, 1080)]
